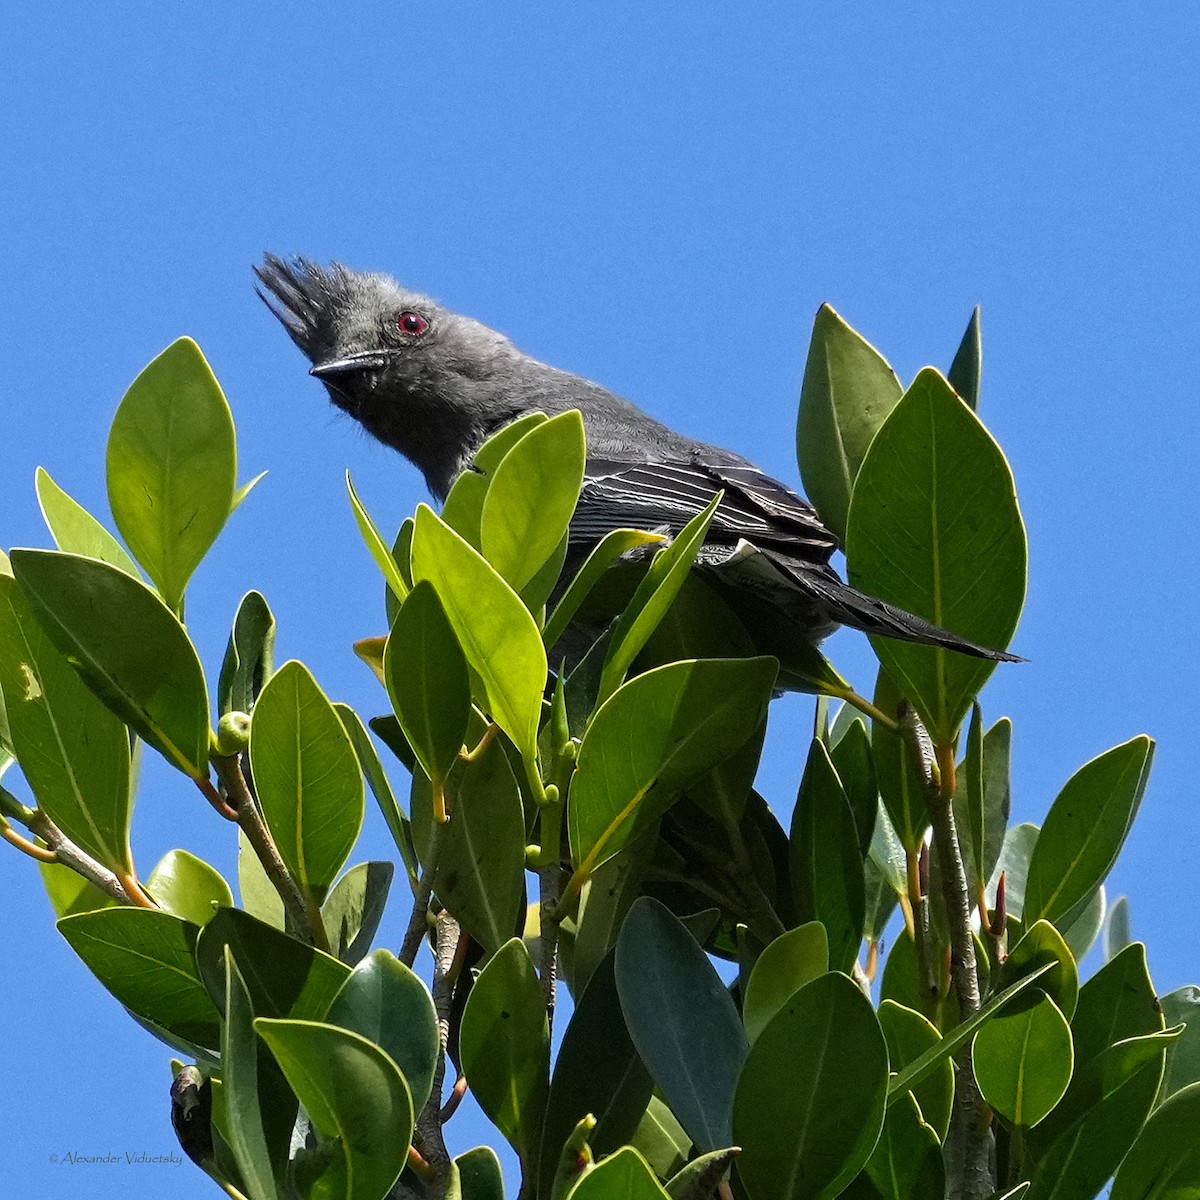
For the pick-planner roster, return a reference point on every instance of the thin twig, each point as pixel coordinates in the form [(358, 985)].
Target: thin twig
[(70, 855)]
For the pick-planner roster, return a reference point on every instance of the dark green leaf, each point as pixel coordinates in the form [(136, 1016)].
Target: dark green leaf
[(967, 367), (661, 1140), (428, 683), (681, 1019), (352, 913), (249, 655), (354, 1096), (1164, 1162), (654, 736), (127, 645), (622, 1176), (909, 1035), (479, 1174), (992, 810), (505, 1047), (855, 766), (188, 887), (146, 959), (386, 1003), (307, 777), (848, 391), (810, 1100), (899, 787), (1117, 933), (934, 528), (1042, 944), (172, 466), (789, 962), (827, 872), (74, 753), (1013, 863), (1084, 831), (970, 802), (906, 1164), (1182, 1007), (75, 530)]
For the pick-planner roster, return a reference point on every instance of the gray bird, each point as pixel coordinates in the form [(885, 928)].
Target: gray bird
[(435, 385)]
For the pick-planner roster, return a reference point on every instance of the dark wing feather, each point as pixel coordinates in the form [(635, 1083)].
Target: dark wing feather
[(656, 495)]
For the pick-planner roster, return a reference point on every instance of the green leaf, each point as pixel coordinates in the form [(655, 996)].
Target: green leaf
[(1164, 1163), (981, 800), (614, 544), (827, 873), (653, 598), (681, 1019), (654, 736), (428, 683), (1116, 1004), (249, 655), (355, 1096), (1013, 863), (352, 913), (463, 509), (127, 645), (70, 893), (661, 1140), (810, 1100), (967, 367), (531, 497), (971, 803), (480, 1175), (934, 528), (172, 466), (259, 897), (789, 962), (75, 530), (906, 1163), (848, 391), (74, 753), (622, 1176), (387, 1004), (1182, 1007), (598, 1071), (1081, 932), (1041, 944), (700, 1177), (188, 887), (381, 789), (1084, 831), (306, 774), (1023, 1059), (146, 959), (855, 767), (909, 1035), (240, 1089), (899, 787), (285, 977), (494, 628), (1117, 933), (379, 549), (505, 1047)]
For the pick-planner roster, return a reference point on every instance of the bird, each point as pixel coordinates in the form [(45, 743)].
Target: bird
[(434, 385)]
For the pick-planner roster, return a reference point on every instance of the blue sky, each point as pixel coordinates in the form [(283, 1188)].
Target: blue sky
[(658, 199)]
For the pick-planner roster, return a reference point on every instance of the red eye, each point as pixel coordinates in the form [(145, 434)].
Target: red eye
[(412, 323)]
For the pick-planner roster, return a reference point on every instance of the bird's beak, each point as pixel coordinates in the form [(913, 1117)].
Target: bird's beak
[(367, 360)]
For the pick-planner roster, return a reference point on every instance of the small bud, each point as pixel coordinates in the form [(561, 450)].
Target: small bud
[(533, 856), (232, 735)]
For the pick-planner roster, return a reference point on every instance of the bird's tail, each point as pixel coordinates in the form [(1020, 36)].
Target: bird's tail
[(848, 606)]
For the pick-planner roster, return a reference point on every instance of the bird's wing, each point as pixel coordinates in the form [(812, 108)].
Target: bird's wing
[(654, 495)]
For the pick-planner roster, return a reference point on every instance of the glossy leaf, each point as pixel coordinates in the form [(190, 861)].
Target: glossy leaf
[(598, 1071), (967, 368), (827, 874), (387, 1004), (1023, 1059), (909, 1035), (146, 959), (661, 1140), (128, 647), (1040, 944), (378, 548), (655, 593), (986, 767), (240, 1089), (1013, 863), (681, 1019), (504, 1044), (906, 1163), (1116, 1004), (249, 655), (172, 466), (74, 753), (69, 893), (355, 1096), (934, 528), (1164, 1162), (530, 498), (789, 962), (810, 1100), (497, 634), (660, 731), (479, 1173), (285, 977), (307, 778), (352, 913), (427, 681), (899, 787), (75, 530), (848, 391), (188, 887), (1084, 831), (852, 760), (624, 1175), (1182, 1007), (257, 892)]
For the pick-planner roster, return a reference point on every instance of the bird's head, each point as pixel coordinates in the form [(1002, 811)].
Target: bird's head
[(416, 375)]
